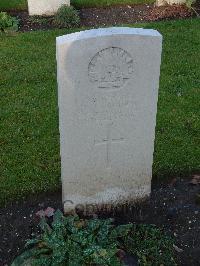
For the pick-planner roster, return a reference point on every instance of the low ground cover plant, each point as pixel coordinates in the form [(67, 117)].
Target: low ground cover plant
[(67, 17), (73, 241), (8, 23)]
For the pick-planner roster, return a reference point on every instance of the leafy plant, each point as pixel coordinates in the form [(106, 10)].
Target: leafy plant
[(70, 241), (67, 17), (8, 23), (151, 246)]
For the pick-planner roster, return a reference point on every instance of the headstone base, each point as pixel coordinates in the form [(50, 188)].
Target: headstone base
[(111, 201), (121, 212)]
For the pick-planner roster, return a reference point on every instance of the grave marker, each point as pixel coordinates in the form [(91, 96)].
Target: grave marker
[(45, 7), (108, 83)]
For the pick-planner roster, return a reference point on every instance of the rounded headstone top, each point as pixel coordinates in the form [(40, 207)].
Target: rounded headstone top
[(94, 33)]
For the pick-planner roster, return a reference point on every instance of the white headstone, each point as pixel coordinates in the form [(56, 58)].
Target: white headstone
[(170, 2), (108, 83), (45, 7)]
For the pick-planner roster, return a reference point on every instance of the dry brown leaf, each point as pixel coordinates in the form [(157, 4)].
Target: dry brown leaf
[(40, 213), (173, 181), (49, 212), (195, 180)]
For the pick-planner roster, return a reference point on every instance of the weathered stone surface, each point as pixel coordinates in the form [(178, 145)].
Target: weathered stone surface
[(45, 7), (169, 2), (108, 83)]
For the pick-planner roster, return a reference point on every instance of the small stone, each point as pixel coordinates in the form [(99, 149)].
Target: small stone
[(179, 250)]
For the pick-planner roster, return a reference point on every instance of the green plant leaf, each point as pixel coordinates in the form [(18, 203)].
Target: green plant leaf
[(71, 241), (67, 16), (28, 257), (44, 226), (8, 23)]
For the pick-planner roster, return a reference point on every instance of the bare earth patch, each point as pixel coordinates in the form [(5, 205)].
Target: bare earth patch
[(173, 206), (168, 12), (117, 15)]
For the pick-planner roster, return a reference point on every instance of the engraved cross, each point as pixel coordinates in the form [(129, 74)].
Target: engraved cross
[(108, 141)]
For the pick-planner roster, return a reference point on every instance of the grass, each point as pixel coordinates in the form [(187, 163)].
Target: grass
[(104, 3), (22, 4), (29, 135), (13, 4)]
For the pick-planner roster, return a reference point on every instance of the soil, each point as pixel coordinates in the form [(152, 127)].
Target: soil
[(174, 206), (115, 15)]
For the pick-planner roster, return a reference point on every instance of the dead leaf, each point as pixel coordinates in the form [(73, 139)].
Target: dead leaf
[(80, 224), (173, 182), (49, 212), (40, 214), (195, 180), (121, 254), (41, 244)]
